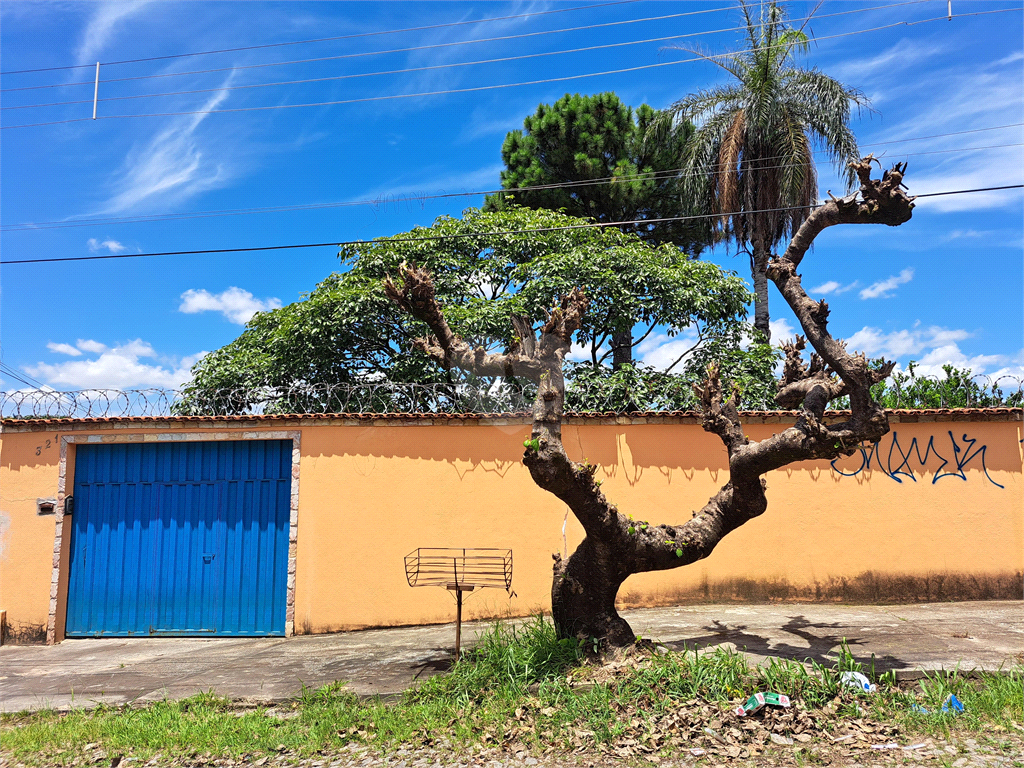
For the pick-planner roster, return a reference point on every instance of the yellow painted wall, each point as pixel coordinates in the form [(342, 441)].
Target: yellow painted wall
[(28, 471), (369, 494)]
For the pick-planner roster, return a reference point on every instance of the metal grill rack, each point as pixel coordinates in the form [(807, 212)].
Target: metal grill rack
[(459, 571)]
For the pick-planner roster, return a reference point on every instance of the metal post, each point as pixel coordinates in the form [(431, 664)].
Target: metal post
[(458, 621), (96, 91)]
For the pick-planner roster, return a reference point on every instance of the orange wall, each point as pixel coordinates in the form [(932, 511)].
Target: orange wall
[(371, 493)]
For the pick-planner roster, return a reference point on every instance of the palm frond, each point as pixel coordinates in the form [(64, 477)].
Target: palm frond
[(824, 105), (752, 150), (726, 178), (729, 62), (700, 106)]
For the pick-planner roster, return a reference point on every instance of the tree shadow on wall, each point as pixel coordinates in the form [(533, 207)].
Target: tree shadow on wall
[(822, 646)]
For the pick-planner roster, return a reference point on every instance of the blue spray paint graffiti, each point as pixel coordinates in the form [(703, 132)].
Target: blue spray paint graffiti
[(899, 462)]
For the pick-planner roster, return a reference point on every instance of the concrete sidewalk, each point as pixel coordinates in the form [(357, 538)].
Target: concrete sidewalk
[(904, 638)]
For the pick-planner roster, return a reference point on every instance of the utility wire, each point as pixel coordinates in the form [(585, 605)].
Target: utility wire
[(7, 370), (398, 239), (486, 87), (665, 174), (325, 39), (409, 49), (435, 66)]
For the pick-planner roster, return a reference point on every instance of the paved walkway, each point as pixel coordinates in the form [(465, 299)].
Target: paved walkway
[(906, 638)]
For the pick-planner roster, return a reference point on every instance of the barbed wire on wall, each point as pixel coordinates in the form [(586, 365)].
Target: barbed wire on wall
[(405, 398)]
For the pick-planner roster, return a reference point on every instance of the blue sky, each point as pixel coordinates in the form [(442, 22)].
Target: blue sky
[(945, 287)]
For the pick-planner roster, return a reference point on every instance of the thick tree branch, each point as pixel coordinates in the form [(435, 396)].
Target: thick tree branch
[(416, 296), (720, 416), (880, 202), (539, 360)]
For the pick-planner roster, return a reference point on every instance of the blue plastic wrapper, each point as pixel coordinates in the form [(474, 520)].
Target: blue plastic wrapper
[(952, 705)]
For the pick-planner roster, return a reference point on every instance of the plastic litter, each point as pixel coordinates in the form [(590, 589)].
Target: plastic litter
[(890, 745), (782, 741), (858, 682), (952, 705), (697, 751), (911, 747), (714, 735), (758, 701), (839, 739)]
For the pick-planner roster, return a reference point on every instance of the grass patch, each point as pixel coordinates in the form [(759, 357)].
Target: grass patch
[(521, 688)]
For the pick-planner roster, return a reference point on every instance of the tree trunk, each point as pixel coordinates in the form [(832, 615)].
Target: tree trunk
[(622, 349), (759, 272), (583, 595)]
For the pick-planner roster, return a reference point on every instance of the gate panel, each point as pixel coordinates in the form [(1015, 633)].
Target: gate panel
[(183, 538)]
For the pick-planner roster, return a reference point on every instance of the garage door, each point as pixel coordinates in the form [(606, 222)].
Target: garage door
[(184, 538)]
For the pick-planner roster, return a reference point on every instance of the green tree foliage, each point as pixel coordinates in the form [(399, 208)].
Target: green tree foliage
[(751, 159), (598, 138), (487, 271), (638, 387), (582, 139), (958, 388)]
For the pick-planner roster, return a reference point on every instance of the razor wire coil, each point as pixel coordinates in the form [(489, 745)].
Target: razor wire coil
[(464, 398)]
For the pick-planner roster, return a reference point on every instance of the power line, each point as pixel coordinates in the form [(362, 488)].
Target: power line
[(409, 49), (7, 370), (384, 199), (325, 39), (439, 66), (483, 87), (335, 243), (943, 135)]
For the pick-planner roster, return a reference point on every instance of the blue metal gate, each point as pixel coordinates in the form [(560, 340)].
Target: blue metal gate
[(183, 538)]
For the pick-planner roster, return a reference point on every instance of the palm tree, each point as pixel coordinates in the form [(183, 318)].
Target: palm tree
[(751, 159)]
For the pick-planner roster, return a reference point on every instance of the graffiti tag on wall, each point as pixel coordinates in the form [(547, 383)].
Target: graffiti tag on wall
[(897, 463)]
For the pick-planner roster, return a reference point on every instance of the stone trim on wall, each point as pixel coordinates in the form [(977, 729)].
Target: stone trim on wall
[(293, 516)]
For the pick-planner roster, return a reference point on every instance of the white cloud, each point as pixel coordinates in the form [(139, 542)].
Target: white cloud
[(236, 304), (64, 349), (948, 99), (100, 28), (950, 354), (873, 342), (661, 350), (834, 287), (966, 234), (903, 55), (781, 330), (172, 167), (88, 345), (884, 288), (120, 367), (1012, 58), (826, 287), (971, 170), (931, 348), (112, 246), (578, 353), (396, 192)]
